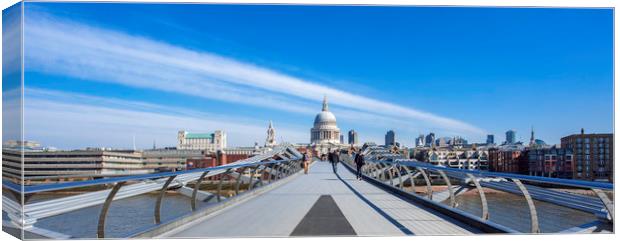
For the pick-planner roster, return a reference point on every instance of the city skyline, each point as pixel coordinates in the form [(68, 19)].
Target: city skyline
[(118, 76)]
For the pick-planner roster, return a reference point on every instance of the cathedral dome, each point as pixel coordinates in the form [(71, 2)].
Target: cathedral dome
[(325, 117), (325, 129)]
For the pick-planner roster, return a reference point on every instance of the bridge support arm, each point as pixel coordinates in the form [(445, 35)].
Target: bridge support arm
[(381, 172), (483, 198), (372, 170), (390, 170), (400, 177), (411, 178), (196, 187), (219, 185), (252, 174), (238, 183), (530, 204), (447, 180), (281, 170), (609, 205), (271, 171), (262, 174), (429, 188), (104, 210), (160, 198)]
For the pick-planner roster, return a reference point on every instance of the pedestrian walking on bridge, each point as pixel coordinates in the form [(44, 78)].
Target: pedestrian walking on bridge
[(359, 163), (334, 158), (304, 162)]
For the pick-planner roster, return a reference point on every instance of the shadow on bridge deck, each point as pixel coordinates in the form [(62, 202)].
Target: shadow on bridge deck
[(369, 210)]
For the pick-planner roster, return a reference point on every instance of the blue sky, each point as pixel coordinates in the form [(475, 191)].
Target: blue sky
[(98, 74)]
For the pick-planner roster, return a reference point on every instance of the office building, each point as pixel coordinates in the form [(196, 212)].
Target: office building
[(390, 138), (430, 139), (353, 138), (490, 139), (420, 141), (511, 137)]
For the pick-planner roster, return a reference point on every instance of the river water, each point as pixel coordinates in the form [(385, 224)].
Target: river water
[(129, 215), (125, 216), (512, 211)]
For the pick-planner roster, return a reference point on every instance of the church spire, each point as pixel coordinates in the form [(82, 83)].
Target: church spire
[(271, 135), (532, 140), (325, 107)]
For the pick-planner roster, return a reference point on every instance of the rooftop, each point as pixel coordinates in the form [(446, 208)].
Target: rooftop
[(199, 135)]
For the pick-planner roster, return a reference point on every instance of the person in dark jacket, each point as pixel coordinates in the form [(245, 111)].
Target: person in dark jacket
[(359, 163), (305, 162), (334, 159)]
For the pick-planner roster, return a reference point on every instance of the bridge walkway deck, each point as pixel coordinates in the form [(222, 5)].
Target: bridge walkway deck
[(298, 208)]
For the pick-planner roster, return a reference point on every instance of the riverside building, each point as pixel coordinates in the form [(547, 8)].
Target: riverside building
[(41, 166), (461, 158), (201, 141), (593, 155)]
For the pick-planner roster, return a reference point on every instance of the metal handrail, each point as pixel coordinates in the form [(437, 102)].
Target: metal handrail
[(27, 189), (548, 180)]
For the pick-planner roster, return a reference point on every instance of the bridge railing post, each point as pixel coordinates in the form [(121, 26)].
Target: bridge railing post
[(400, 178), (483, 199), (162, 193), (262, 174), (378, 174), (372, 170), (411, 178), (429, 187), (450, 190), (196, 188), (279, 171), (530, 204), (390, 171), (609, 205), (220, 183), (104, 210), (252, 174), (284, 170), (271, 172), (238, 182), (289, 168), (381, 172)]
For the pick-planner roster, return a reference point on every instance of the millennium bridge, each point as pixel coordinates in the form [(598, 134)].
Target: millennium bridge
[(268, 195)]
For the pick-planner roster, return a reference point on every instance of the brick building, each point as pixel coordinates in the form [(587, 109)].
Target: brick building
[(593, 155), (511, 159), (550, 162)]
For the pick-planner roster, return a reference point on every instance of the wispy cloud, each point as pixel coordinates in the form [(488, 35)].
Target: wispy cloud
[(12, 114), (63, 47), (69, 120)]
